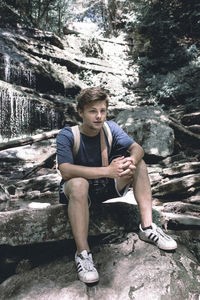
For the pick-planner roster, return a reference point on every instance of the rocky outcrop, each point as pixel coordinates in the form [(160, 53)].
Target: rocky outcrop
[(149, 127), (41, 222), (128, 269), (25, 64)]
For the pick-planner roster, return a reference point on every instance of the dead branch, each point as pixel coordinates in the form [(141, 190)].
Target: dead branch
[(183, 132)]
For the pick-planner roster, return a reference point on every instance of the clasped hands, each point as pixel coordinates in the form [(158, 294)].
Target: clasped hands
[(122, 166)]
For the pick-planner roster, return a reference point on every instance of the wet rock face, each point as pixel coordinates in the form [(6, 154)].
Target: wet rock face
[(29, 77), (23, 114), (27, 59)]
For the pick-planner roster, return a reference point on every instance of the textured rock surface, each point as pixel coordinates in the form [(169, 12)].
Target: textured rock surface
[(149, 127), (131, 269), (29, 226)]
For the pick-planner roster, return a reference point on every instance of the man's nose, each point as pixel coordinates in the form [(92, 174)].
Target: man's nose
[(98, 114)]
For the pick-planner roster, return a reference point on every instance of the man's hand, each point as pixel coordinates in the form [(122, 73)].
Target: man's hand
[(121, 166), (129, 167)]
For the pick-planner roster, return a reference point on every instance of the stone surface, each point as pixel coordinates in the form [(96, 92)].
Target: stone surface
[(181, 220), (50, 223), (148, 126), (130, 269), (182, 168), (176, 186)]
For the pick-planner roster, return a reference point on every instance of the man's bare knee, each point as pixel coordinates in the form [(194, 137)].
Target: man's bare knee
[(77, 188), (141, 164)]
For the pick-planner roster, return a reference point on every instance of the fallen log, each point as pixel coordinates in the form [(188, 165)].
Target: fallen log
[(182, 132), (191, 119), (29, 140), (194, 128)]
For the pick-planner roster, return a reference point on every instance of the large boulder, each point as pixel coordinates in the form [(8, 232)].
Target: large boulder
[(42, 222), (148, 126), (130, 269)]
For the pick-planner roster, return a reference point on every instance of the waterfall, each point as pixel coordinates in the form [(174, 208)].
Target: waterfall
[(7, 67), (17, 73), (14, 114), (21, 116)]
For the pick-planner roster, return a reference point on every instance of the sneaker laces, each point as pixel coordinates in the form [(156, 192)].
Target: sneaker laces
[(161, 233), (87, 263)]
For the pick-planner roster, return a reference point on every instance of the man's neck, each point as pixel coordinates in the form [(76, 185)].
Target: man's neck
[(88, 131)]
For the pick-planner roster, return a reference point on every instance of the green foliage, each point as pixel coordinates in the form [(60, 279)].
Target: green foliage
[(186, 17), (42, 14), (178, 87), (158, 28)]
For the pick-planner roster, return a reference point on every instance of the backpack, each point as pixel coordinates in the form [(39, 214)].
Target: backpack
[(76, 133)]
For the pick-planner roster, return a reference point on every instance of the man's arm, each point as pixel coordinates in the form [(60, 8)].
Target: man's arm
[(136, 153), (114, 170), (69, 171)]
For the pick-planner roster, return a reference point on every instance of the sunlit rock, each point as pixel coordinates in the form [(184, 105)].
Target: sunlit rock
[(149, 127)]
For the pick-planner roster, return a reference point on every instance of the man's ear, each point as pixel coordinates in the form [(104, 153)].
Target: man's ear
[(80, 112)]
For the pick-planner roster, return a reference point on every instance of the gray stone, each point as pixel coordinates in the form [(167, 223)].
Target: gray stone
[(179, 220), (182, 168), (50, 222), (138, 272), (149, 127), (176, 186), (4, 195)]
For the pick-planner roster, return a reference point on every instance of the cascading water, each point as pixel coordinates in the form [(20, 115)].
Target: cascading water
[(7, 67), (21, 115), (17, 73)]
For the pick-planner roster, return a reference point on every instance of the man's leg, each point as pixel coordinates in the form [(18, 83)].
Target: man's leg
[(149, 231), (142, 193), (76, 190)]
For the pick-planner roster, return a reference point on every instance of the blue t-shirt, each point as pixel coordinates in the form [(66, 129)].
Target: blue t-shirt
[(89, 153)]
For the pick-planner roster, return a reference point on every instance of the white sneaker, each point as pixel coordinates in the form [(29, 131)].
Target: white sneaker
[(85, 267), (157, 237)]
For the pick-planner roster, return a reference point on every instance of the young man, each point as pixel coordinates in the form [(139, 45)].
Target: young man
[(84, 178)]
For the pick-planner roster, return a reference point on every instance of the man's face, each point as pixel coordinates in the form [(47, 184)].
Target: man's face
[(93, 115)]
